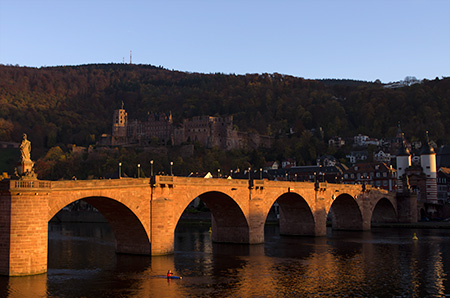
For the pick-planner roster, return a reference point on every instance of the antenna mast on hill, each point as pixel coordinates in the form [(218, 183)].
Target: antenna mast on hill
[(130, 58)]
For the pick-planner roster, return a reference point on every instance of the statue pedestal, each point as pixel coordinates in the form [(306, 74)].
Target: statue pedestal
[(25, 166)]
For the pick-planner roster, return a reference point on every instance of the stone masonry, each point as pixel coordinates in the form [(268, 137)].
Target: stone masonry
[(143, 213)]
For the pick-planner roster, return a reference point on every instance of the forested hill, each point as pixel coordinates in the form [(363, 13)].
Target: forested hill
[(74, 104)]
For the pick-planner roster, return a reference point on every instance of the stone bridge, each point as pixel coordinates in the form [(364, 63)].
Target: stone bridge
[(143, 213)]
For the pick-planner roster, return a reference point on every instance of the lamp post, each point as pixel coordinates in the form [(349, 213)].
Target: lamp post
[(120, 170), (171, 166), (249, 174), (151, 167), (218, 173), (231, 173), (139, 170)]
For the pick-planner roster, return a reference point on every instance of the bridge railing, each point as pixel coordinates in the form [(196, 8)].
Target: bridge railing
[(203, 181), (24, 184)]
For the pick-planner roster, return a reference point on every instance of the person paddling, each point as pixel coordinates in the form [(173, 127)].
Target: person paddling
[(169, 273)]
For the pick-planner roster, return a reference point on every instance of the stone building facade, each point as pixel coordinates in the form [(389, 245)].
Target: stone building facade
[(159, 129)]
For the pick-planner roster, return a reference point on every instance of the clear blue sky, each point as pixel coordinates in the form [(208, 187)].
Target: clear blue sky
[(353, 39)]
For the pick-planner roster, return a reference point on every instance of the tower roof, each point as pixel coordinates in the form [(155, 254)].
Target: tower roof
[(427, 148), (403, 150)]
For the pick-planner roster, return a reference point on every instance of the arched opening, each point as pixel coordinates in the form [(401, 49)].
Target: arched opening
[(295, 215), (423, 215), (344, 214), (384, 212), (227, 221), (129, 233), (83, 247)]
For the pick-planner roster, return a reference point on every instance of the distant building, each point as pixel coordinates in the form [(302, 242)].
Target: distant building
[(377, 174), (209, 131), (336, 142), (271, 165), (288, 163), (159, 129), (332, 174), (119, 128), (382, 156), (443, 157), (356, 156), (327, 161), (360, 140), (443, 186), (364, 141)]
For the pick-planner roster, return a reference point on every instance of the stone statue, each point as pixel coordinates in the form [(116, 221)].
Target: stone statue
[(25, 149)]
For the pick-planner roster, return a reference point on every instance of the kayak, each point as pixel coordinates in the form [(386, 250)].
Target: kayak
[(170, 277), (175, 277)]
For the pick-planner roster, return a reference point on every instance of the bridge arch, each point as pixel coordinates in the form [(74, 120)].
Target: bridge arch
[(384, 212), (345, 213), (229, 223), (296, 217), (130, 234)]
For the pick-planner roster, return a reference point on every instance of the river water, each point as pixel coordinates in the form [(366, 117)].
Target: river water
[(378, 263)]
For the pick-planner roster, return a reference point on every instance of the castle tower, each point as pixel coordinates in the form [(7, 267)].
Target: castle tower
[(428, 164), (119, 126), (403, 162)]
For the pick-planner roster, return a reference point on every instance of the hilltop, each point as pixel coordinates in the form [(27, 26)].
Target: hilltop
[(74, 105)]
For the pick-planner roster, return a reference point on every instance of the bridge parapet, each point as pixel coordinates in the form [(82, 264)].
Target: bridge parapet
[(24, 185), (206, 181), (100, 183)]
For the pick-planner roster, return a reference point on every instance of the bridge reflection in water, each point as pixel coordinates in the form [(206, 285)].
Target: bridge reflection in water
[(381, 262), (143, 213)]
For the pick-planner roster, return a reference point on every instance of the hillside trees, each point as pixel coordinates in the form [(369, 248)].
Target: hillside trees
[(65, 105)]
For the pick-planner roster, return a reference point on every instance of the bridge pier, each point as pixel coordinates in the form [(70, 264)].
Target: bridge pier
[(23, 229), (163, 226), (407, 207), (256, 221)]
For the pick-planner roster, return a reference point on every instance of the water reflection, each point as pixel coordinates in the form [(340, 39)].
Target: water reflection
[(383, 263)]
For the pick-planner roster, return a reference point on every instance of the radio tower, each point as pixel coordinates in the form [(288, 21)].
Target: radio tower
[(131, 62)]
